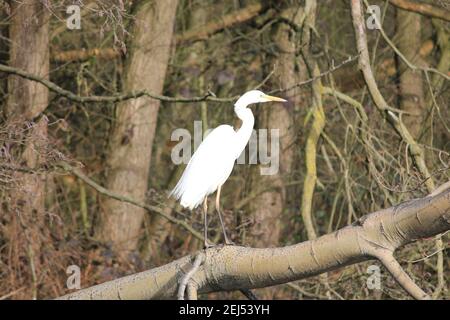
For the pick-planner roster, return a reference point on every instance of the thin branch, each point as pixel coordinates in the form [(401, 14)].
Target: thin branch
[(191, 291), (402, 57), (415, 150), (201, 33), (440, 189), (314, 133), (422, 8), (226, 21), (317, 76), (439, 267), (185, 280), (111, 194), (12, 293), (208, 96), (403, 279), (114, 98)]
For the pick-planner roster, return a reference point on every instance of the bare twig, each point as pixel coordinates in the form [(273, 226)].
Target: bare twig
[(317, 76), (111, 194), (316, 129), (397, 272), (201, 33), (185, 280), (415, 150), (440, 189), (422, 8), (191, 291), (208, 96), (12, 293), (114, 98), (404, 59)]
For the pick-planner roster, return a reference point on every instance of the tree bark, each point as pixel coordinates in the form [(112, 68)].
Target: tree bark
[(197, 19), (225, 268), (132, 137), (423, 8), (28, 32), (28, 51), (410, 84), (317, 125), (267, 208)]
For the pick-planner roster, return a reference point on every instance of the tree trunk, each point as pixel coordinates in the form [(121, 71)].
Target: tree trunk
[(268, 207), (28, 51), (411, 86), (132, 137), (26, 100), (159, 227)]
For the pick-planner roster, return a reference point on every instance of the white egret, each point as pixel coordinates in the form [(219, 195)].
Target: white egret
[(213, 161)]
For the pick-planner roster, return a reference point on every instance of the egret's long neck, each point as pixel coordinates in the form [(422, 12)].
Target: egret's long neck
[(245, 131)]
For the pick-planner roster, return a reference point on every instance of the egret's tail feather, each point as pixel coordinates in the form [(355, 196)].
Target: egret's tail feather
[(191, 200), (188, 199), (176, 192)]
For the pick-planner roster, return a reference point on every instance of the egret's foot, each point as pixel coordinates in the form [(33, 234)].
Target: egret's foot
[(208, 245), (228, 242)]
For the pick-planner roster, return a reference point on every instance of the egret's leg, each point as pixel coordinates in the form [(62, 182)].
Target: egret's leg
[(205, 210), (227, 241)]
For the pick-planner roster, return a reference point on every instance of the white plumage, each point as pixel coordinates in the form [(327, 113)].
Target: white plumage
[(213, 161), (209, 167)]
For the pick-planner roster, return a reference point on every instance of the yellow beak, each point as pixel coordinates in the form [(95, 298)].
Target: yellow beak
[(272, 98)]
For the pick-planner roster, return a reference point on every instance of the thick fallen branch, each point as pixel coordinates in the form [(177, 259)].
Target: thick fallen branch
[(374, 236), (150, 209)]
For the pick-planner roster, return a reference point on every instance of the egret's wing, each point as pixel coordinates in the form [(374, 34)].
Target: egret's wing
[(209, 167)]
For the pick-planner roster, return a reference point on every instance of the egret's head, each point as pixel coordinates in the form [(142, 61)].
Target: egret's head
[(256, 96)]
